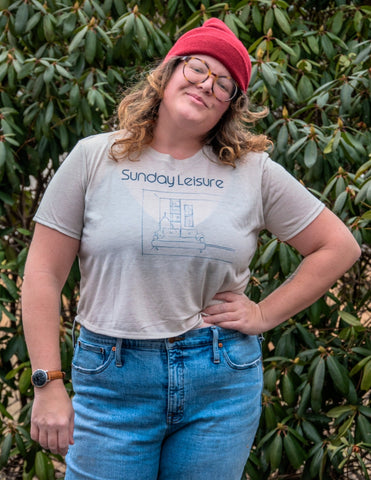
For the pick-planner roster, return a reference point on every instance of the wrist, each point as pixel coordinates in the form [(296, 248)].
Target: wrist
[(41, 378), (271, 317), (55, 389), (263, 316)]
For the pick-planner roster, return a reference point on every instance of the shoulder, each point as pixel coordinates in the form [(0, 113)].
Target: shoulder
[(94, 150), (254, 159), (88, 155), (100, 140), (269, 170), (255, 163)]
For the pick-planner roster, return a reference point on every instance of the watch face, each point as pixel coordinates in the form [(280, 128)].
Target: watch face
[(39, 378)]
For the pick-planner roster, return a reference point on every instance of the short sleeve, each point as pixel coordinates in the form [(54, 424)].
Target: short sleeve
[(288, 206), (62, 206)]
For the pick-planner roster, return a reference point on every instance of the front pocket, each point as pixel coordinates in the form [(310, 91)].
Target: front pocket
[(242, 353), (89, 358)]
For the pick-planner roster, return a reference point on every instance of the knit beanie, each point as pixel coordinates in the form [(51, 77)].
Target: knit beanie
[(214, 38)]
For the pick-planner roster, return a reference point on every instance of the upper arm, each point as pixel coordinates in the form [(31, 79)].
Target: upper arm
[(52, 253), (327, 231)]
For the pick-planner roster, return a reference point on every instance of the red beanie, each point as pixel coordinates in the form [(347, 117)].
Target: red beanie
[(214, 38)]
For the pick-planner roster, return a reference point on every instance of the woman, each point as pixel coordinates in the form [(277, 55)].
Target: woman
[(164, 216)]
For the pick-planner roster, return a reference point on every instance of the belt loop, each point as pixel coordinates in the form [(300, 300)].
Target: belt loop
[(73, 333), (216, 352), (118, 352)]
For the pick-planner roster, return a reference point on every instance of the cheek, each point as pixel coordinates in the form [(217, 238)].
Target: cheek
[(219, 111), (173, 87), (223, 107), (176, 80)]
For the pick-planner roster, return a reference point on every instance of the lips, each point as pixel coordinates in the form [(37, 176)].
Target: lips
[(197, 98)]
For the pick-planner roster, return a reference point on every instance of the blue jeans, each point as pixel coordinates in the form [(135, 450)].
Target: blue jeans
[(184, 408)]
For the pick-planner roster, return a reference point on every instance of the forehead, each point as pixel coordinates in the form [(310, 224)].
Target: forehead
[(215, 65)]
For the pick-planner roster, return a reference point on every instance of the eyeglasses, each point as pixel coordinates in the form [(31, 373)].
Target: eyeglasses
[(196, 71)]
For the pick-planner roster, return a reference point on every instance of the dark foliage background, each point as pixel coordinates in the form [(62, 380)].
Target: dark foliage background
[(63, 65)]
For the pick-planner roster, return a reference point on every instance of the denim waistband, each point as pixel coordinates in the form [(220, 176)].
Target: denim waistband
[(192, 338)]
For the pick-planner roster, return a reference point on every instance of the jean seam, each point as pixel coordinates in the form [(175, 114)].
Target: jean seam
[(95, 371), (244, 366)]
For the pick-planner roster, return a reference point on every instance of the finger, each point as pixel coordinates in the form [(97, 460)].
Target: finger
[(71, 441), (222, 317), (227, 296), (52, 444), (221, 308), (34, 432), (63, 441), (43, 438)]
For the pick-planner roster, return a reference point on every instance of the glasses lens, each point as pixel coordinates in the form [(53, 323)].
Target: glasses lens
[(196, 71), (224, 89)]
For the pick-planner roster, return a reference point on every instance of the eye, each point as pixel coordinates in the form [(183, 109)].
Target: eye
[(197, 68), (225, 84), (222, 86)]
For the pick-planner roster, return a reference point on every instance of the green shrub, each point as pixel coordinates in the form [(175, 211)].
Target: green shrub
[(62, 67)]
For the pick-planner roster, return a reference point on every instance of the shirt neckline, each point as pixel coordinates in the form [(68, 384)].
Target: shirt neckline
[(167, 158)]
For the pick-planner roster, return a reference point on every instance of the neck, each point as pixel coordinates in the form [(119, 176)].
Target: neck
[(176, 142)]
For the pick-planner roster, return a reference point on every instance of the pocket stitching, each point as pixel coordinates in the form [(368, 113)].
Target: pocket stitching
[(93, 348), (245, 366)]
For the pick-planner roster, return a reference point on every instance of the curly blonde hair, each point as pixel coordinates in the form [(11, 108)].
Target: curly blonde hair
[(230, 139)]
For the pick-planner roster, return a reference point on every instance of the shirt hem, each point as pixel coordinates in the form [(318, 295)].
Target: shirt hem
[(135, 335), (319, 209), (57, 227)]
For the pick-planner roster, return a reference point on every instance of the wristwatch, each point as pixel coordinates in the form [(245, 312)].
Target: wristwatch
[(40, 377)]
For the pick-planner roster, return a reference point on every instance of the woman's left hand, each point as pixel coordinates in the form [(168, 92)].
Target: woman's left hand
[(236, 312)]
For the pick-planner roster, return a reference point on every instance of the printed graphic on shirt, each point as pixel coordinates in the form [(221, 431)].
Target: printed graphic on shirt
[(171, 180), (179, 229)]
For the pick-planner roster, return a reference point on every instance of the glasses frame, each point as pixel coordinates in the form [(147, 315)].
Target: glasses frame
[(210, 74)]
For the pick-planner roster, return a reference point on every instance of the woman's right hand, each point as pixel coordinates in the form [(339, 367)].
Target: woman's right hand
[(52, 418)]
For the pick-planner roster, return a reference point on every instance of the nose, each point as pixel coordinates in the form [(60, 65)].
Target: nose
[(207, 85)]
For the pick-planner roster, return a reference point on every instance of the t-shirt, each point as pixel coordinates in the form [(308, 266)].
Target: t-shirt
[(161, 236)]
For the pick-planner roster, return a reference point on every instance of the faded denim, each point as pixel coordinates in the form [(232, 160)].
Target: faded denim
[(185, 408)]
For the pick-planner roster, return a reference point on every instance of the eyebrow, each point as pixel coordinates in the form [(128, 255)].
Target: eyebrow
[(212, 69)]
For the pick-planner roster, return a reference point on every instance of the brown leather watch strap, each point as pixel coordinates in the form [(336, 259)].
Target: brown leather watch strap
[(55, 375)]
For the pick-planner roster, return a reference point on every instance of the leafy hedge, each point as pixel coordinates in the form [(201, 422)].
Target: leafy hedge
[(62, 67)]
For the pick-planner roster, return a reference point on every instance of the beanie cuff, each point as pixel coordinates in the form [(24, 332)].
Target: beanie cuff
[(215, 39)]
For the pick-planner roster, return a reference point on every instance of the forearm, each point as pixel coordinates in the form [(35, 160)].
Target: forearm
[(314, 276), (48, 263), (41, 320)]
